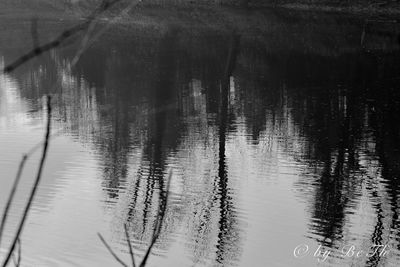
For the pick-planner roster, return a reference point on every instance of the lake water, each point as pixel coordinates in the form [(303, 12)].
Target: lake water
[(282, 133)]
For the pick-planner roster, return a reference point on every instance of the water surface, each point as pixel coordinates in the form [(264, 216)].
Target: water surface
[(278, 134)]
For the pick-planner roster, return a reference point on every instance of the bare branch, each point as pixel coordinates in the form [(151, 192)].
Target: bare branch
[(41, 49), (157, 229), (104, 6), (17, 261), (11, 197), (35, 186), (19, 253), (129, 245), (111, 251), (86, 42), (159, 220)]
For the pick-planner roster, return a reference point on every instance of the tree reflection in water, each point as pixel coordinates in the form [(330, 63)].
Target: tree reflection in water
[(331, 108)]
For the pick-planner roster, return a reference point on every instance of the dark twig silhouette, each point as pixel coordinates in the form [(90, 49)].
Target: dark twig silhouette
[(38, 50), (17, 261), (128, 240), (90, 38), (156, 233), (111, 251), (11, 197), (34, 188)]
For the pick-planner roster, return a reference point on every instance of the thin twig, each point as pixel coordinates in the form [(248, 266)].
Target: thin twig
[(157, 229), (84, 46), (86, 43), (41, 143), (35, 186), (41, 49), (159, 221), (11, 197), (85, 40), (77, 56), (19, 253), (111, 251), (17, 262), (38, 50), (104, 6), (129, 245)]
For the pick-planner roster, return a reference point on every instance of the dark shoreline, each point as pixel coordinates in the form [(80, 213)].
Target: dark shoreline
[(388, 12), (61, 11)]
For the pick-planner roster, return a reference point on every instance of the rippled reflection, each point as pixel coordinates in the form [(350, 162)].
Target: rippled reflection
[(277, 136)]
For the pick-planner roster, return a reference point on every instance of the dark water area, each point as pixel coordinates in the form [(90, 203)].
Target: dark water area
[(280, 136)]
